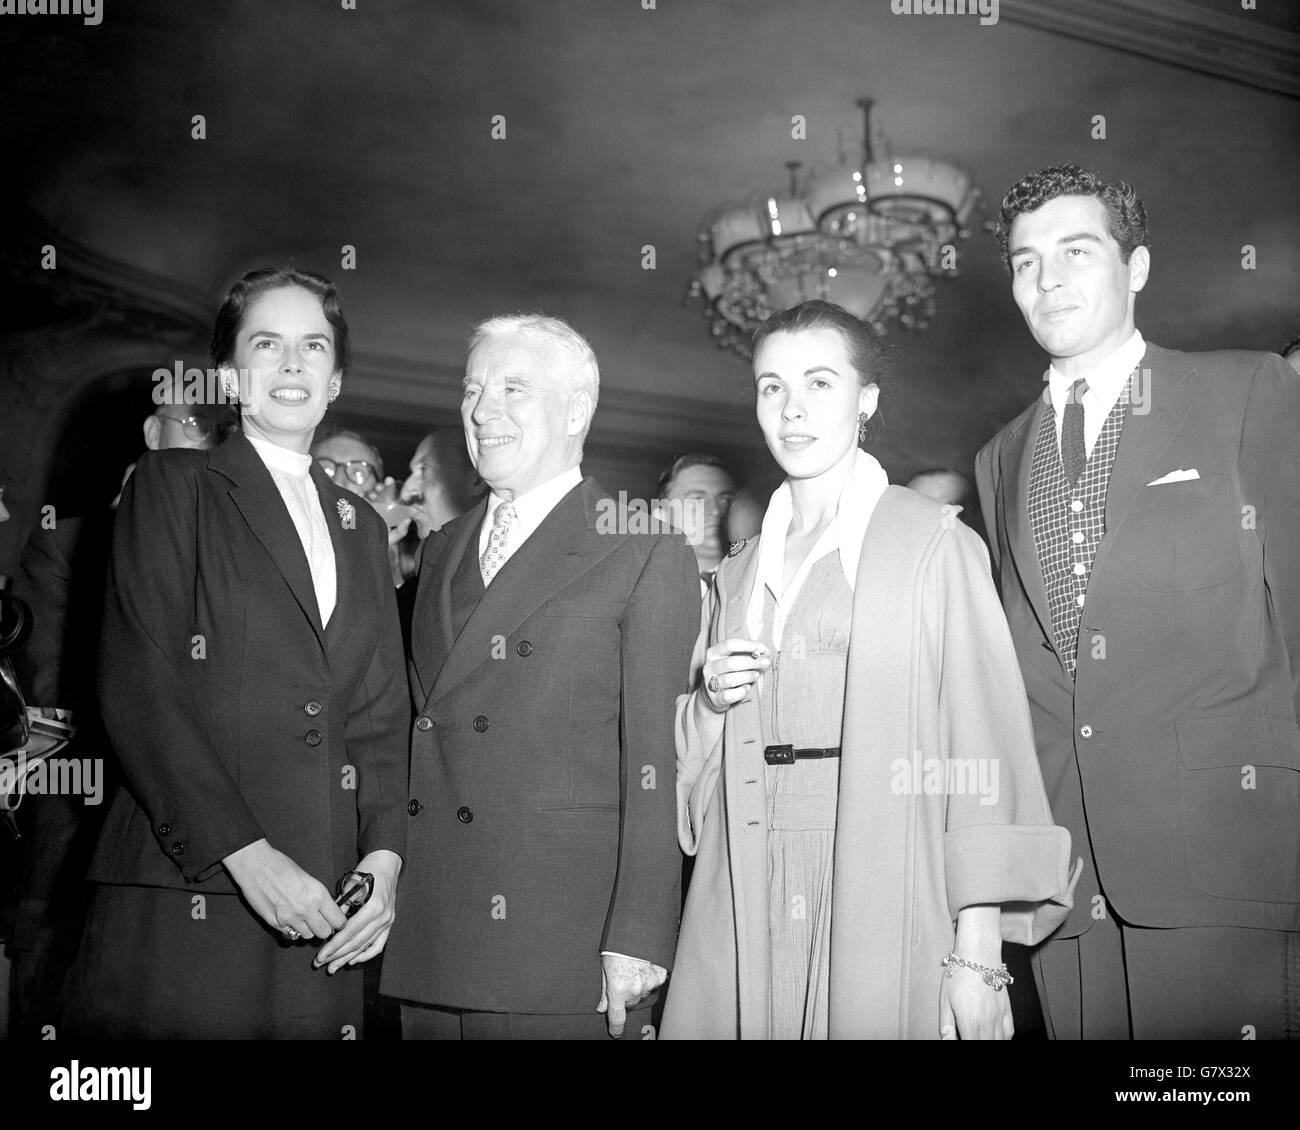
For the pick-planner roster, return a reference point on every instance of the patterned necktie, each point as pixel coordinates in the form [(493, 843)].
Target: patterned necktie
[(495, 554), (1074, 452)]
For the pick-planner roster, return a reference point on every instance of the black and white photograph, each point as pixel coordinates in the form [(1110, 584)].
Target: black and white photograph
[(650, 520)]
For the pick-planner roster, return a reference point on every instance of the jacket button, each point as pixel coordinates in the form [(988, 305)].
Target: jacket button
[(424, 724), (1085, 731), (480, 723), (312, 737), (164, 829), (178, 849), (524, 648), (312, 709), (413, 806), (464, 815)]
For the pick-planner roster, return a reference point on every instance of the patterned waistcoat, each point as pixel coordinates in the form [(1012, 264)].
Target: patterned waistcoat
[(1069, 522)]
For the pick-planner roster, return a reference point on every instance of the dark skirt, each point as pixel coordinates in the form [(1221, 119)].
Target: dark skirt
[(152, 967)]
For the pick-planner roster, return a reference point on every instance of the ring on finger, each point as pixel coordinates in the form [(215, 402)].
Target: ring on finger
[(713, 684), (291, 934)]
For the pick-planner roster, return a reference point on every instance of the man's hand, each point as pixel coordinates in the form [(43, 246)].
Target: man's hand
[(623, 982)]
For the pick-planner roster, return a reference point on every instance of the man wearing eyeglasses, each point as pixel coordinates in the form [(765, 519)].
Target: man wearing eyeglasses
[(351, 462), (61, 576), (186, 425)]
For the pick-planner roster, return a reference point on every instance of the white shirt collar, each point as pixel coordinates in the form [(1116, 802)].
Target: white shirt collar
[(531, 507), (844, 532), (279, 458), (1105, 379)]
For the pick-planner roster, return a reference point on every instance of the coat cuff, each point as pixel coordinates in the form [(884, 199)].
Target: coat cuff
[(386, 832), (1023, 865)]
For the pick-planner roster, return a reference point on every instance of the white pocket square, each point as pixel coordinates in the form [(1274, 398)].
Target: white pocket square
[(1179, 476)]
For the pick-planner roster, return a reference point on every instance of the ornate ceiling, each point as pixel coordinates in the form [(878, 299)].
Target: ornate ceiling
[(372, 128)]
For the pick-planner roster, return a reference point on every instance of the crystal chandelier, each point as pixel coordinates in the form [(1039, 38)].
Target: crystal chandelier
[(870, 235)]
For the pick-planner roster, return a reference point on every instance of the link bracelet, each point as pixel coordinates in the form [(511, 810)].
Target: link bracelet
[(994, 978)]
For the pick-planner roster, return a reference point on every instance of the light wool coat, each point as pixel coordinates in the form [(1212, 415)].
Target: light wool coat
[(931, 674)]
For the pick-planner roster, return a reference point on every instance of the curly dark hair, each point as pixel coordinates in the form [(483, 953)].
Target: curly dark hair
[(1126, 215)]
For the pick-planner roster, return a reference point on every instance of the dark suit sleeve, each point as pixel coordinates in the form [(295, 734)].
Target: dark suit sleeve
[(1269, 465), (44, 581), (987, 484), (658, 632), (378, 734), (148, 702)]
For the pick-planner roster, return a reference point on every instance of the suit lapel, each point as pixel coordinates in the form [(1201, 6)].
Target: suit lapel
[(735, 599), (258, 500), (349, 546), (1017, 460), (559, 551), (432, 630), (1155, 414)]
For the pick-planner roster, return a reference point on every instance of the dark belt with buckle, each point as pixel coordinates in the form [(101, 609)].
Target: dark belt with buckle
[(788, 755)]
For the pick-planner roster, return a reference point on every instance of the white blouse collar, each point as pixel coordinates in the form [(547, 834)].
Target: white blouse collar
[(845, 532), (279, 458)]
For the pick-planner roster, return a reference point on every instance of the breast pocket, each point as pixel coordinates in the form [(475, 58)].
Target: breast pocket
[(1239, 781), (1186, 535)]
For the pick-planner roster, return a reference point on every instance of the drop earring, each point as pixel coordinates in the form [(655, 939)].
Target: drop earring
[(862, 428)]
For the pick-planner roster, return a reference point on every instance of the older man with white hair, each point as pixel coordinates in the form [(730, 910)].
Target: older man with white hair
[(541, 880)]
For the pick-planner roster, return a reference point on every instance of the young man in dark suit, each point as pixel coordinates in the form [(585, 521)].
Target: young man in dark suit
[(1144, 518), (548, 647)]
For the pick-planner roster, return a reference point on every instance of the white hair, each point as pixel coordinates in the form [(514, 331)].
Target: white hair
[(584, 374)]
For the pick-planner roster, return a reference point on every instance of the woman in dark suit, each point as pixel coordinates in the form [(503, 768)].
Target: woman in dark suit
[(253, 686)]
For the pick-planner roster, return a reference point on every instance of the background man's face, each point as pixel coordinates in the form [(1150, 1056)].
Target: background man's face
[(172, 434), (345, 449), (942, 486), (705, 494), (516, 413), (1068, 279), (433, 500)]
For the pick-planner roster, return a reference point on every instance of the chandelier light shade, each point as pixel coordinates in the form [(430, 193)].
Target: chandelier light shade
[(870, 235)]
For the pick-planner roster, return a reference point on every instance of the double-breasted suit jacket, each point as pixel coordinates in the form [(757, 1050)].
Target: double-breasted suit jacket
[(542, 803), (1175, 753)]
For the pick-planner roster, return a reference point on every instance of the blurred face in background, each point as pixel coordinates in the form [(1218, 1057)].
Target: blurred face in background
[(744, 517), (942, 486), (705, 495), (438, 490), (353, 464), (179, 425), (284, 354), (809, 398)]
